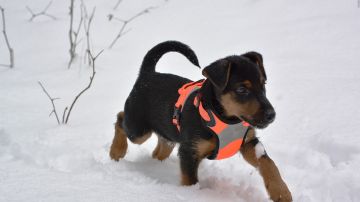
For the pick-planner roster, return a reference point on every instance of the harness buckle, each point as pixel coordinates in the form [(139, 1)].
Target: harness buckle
[(176, 116)]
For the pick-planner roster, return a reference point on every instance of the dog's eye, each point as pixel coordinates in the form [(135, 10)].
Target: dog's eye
[(242, 91)]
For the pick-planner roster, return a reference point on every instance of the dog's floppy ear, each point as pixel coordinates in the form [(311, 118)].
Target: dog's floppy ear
[(218, 73), (257, 59)]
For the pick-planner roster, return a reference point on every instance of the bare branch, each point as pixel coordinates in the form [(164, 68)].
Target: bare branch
[(47, 7), (63, 116), (11, 51), (73, 35), (87, 87), (117, 4), (32, 13), (96, 56), (72, 46), (87, 25), (122, 31), (43, 12), (52, 102)]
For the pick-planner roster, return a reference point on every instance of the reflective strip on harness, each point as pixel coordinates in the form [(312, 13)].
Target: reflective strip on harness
[(229, 136)]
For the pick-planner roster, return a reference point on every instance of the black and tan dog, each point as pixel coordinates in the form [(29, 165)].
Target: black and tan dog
[(234, 89)]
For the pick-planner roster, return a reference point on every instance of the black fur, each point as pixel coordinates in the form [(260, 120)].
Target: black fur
[(150, 105), (218, 73), (153, 56)]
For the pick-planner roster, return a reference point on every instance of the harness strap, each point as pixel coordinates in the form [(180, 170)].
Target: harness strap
[(229, 136), (184, 92)]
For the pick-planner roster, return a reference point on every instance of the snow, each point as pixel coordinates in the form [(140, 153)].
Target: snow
[(310, 50), (259, 150)]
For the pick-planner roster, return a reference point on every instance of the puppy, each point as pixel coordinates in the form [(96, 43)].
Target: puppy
[(233, 94)]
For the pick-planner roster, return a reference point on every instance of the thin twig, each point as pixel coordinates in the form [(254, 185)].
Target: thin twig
[(87, 87), (87, 25), (52, 102), (72, 49), (11, 50), (43, 12), (63, 116), (122, 31), (73, 35), (117, 4)]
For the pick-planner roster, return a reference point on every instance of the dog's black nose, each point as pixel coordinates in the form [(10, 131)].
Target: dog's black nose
[(269, 115)]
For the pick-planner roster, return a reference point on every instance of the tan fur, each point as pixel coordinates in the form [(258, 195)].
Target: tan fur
[(119, 144), (205, 147), (233, 108), (163, 149), (275, 186), (247, 84), (248, 150), (250, 135), (185, 180)]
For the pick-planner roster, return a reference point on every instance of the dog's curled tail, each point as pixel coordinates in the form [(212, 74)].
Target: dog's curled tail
[(153, 56)]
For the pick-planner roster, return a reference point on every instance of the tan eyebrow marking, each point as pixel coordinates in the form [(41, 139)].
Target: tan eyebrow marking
[(247, 84)]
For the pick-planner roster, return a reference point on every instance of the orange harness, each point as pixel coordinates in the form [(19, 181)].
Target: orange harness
[(229, 136)]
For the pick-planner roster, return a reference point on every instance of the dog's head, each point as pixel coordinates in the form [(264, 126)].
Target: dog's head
[(239, 85)]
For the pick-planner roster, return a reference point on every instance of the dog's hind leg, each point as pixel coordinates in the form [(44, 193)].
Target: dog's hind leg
[(127, 128), (119, 144), (163, 149)]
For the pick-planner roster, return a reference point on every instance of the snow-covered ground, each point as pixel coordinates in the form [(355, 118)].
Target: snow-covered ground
[(311, 51)]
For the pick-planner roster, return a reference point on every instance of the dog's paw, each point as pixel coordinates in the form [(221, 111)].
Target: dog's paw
[(117, 153), (279, 192), (119, 145), (159, 154), (162, 150)]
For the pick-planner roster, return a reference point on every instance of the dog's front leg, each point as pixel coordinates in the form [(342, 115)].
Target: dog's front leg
[(254, 153), (189, 163)]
